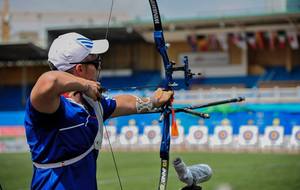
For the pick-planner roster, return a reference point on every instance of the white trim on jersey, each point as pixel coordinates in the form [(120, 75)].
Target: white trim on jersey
[(96, 105)]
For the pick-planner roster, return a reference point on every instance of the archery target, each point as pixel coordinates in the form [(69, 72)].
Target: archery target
[(197, 135), (222, 135), (248, 135), (180, 138), (151, 135), (295, 137), (129, 135), (109, 134), (273, 136)]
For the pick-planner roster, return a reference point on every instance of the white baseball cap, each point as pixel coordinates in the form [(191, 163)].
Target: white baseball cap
[(73, 48)]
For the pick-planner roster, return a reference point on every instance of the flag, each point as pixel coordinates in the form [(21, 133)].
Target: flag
[(293, 39), (271, 39), (281, 39), (212, 42), (222, 38), (259, 40), (202, 42), (231, 38), (192, 41), (251, 40), (240, 40)]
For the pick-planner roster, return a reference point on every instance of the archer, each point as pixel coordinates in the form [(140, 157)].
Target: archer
[(65, 113)]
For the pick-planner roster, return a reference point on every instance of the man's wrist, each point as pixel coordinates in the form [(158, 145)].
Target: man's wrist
[(144, 105), (86, 88)]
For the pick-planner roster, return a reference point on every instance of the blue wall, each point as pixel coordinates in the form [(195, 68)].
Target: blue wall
[(261, 114)]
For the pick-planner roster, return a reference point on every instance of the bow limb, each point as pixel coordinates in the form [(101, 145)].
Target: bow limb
[(166, 111)]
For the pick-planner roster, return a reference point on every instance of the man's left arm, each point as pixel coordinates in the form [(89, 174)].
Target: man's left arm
[(129, 104)]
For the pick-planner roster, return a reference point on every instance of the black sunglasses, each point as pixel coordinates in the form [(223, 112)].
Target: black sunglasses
[(97, 62)]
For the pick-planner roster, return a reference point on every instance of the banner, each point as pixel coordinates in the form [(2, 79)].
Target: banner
[(198, 135), (152, 135), (248, 135), (180, 139), (273, 136), (129, 135), (295, 137), (222, 135), (109, 134)]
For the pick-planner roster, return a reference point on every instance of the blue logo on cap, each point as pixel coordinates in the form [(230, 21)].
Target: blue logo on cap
[(85, 42)]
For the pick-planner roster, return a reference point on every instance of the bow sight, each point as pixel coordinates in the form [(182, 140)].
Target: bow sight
[(188, 75)]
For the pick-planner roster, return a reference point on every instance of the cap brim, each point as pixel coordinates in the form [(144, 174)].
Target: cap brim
[(100, 46)]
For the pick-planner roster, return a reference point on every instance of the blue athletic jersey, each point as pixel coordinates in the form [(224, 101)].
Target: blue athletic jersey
[(64, 135)]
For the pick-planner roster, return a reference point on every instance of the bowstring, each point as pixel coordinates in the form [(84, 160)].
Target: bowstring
[(113, 157), (105, 128), (109, 19), (112, 153)]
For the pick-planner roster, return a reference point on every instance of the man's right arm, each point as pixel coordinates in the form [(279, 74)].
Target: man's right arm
[(45, 95)]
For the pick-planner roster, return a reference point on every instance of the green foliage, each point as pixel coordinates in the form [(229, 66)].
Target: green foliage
[(140, 170)]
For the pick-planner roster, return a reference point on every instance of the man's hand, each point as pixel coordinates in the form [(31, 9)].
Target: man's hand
[(161, 97), (92, 90)]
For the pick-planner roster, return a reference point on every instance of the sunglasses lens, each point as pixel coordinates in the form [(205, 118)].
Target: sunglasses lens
[(97, 64)]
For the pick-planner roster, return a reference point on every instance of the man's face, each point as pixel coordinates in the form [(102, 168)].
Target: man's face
[(90, 67)]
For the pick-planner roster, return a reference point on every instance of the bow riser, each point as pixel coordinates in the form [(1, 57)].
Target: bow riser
[(162, 49)]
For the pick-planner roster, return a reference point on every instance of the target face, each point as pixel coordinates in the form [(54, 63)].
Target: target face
[(198, 135), (274, 135), (297, 136), (107, 134), (223, 134), (151, 134), (128, 135), (248, 135)]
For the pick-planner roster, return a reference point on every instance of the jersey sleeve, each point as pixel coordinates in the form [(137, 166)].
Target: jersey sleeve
[(109, 106), (43, 119)]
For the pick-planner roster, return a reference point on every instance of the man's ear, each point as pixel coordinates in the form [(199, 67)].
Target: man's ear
[(79, 69)]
